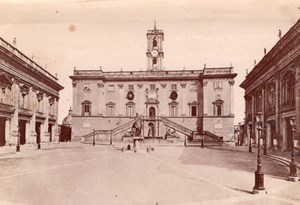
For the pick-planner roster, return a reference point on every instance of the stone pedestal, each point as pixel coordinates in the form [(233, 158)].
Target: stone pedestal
[(46, 137), (33, 137), (137, 143), (15, 137)]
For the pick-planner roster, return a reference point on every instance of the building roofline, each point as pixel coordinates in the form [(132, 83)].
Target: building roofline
[(21, 57), (273, 53)]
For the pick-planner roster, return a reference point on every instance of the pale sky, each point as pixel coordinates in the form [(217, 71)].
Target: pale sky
[(112, 34)]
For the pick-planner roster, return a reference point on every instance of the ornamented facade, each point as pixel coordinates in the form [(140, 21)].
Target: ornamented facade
[(29, 98), (187, 101), (273, 87)]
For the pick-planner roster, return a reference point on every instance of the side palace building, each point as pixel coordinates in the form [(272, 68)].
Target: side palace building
[(188, 102), (273, 88), (28, 99)]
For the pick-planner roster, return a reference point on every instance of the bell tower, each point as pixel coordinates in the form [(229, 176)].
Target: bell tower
[(155, 52)]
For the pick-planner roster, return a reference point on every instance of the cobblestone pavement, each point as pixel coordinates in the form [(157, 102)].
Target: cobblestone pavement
[(73, 173)]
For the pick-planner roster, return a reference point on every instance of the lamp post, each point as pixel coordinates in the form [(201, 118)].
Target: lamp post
[(265, 139), (18, 141), (110, 139), (293, 168), (93, 137), (202, 141), (250, 145), (259, 175)]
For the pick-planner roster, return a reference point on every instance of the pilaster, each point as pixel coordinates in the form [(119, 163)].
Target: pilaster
[(297, 103), (231, 90), (15, 118), (55, 127), (27, 132), (7, 131)]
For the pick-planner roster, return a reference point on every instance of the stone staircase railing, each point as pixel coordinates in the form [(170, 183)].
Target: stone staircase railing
[(177, 127)]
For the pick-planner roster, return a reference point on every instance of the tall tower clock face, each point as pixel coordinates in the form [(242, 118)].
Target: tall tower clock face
[(154, 53)]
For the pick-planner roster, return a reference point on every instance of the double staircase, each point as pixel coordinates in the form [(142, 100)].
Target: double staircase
[(117, 133), (108, 135)]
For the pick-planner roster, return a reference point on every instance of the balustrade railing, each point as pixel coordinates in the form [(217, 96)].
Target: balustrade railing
[(28, 62)]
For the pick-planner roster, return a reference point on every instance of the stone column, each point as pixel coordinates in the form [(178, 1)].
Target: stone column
[(7, 131), (253, 120), (231, 91), (46, 122), (15, 118), (284, 134), (27, 132), (120, 105), (297, 102), (277, 104), (268, 133), (56, 132)]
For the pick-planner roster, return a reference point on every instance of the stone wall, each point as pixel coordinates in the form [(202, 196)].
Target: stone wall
[(221, 126)]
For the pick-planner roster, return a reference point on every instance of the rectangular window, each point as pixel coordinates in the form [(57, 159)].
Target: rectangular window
[(218, 110), (218, 85), (194, 111), (152, 86), (130, 111), (110, 111), (86, 110), (130, 87), (173, 111), (111, 88), (173, 86)]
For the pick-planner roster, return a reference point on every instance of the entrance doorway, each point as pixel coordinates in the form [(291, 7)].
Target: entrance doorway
[(2, 131), (50, 132), (151, 130), (38, 132), (273, 131), (289, 133), (152, 112), (22, 131)]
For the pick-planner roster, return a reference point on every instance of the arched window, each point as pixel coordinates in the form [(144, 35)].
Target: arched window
[(86, 108), (152, 112), (154, 43)]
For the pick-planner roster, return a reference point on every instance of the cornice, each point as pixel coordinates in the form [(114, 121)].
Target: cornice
[(26, 68), (232, 75), (278, 52)]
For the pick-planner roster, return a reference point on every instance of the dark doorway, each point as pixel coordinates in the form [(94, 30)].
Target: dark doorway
[(38, 132), (152, 112), (22, 131), (50, 132), (2, 131), (289, 133), (151, 130), (65, 134), (273, 131)]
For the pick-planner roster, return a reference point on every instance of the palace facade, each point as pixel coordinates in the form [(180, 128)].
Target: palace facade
[(29, 98), (188, 102), (273, 87)]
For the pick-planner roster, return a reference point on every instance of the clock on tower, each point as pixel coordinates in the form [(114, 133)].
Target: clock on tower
[(154, 52)]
